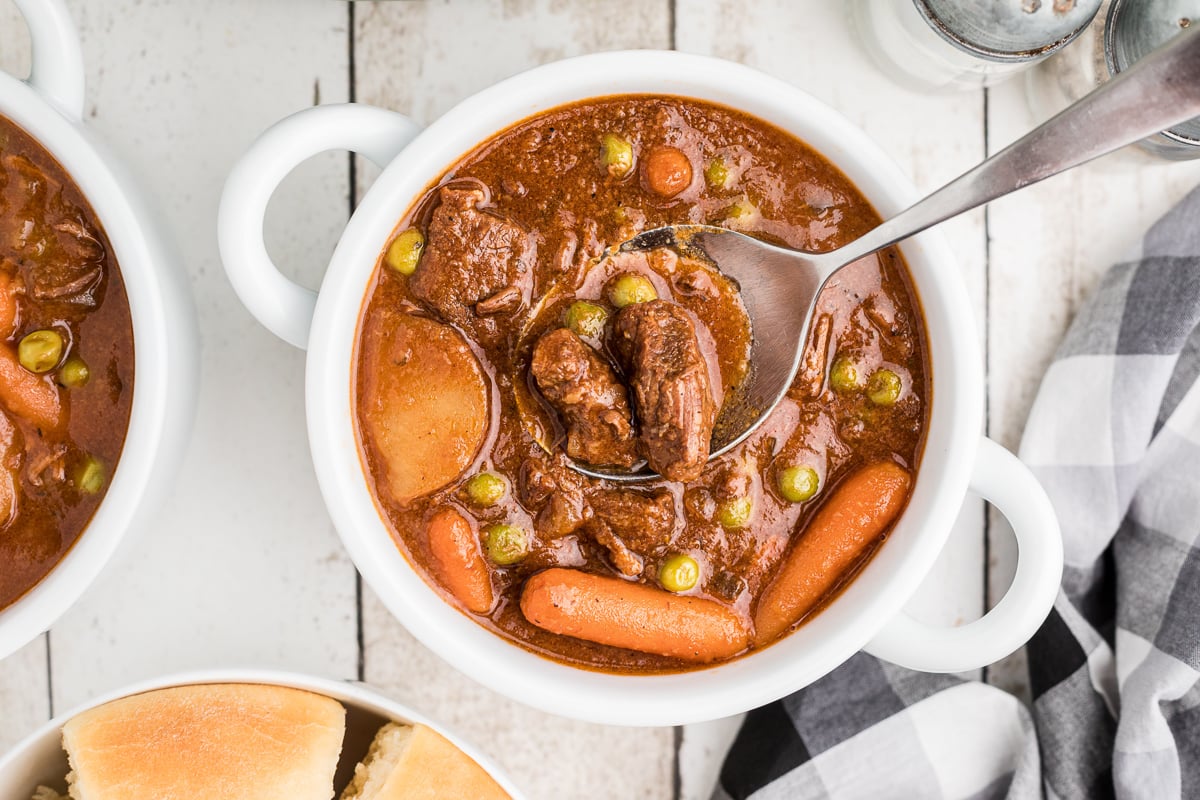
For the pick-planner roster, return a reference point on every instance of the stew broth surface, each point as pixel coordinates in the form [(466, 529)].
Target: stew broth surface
[(551, 182), (61, 429)]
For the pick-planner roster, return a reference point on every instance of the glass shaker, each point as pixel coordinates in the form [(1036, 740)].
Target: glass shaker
[(1130, 30), (966, 44)]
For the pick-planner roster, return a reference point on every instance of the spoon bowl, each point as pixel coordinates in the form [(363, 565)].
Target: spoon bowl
[(778, 287)]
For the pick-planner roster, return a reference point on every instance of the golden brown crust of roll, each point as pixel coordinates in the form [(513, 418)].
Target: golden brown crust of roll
[(229, 741), (417, 763)]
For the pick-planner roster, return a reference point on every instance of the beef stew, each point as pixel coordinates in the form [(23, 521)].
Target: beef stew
[(66, 363), (557, 349)]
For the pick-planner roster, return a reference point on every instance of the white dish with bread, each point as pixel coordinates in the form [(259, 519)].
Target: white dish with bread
[(246, 734)]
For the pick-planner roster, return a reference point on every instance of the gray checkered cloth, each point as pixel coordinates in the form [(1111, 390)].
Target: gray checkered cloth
[(1114, 436)]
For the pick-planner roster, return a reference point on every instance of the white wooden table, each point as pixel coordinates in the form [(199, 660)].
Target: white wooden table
[(242, 566)]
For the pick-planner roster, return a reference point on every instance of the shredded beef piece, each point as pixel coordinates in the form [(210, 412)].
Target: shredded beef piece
[(565, 512), (671, 386), (472, 256), (643, 521), (625, 560), (585, 392)]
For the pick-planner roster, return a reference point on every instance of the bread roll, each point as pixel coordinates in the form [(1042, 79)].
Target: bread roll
[(231, 741), (416, 763)]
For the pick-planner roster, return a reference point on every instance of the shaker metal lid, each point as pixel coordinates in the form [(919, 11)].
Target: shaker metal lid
[(1133, 29), (1008, 30), (1136, 27)]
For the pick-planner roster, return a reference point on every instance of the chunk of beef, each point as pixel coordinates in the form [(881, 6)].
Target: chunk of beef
[(627, 562), (64, 261), (644, 521), (476, 265), (631, 526), (564, 513), (671, 386), (556, 491), (585, 392), (536, 482), (539, 478)]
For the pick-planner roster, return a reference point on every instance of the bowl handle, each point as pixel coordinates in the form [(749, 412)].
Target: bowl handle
[(57, 71), (279, 303), (1001, 479)]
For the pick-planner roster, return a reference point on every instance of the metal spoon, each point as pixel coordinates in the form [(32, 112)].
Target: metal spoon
[(779, 286)]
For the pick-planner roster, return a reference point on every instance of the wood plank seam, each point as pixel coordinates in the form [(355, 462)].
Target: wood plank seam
[(49, 679), (987, 371), (351, 204)]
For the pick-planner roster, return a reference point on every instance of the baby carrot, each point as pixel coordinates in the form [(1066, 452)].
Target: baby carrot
[(457, 560), (859, 510), (27, 395), (619, 613)]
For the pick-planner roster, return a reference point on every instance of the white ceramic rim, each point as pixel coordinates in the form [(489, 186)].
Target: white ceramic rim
[(357, 695), (817, 647), (159, 378)]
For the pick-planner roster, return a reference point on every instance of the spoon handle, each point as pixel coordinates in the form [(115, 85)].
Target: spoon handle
[(1158, 92)]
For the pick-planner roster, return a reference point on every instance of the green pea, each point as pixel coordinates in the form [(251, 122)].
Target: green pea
[(716, 174), (74, 373), (798, 483), (844, 377), (631, 288), (735, 513), (586, 319), (90, 477), (40, 351), (884, 387), (506, 544), (487, 489), (616, 154), (405, 251), (679, 573)]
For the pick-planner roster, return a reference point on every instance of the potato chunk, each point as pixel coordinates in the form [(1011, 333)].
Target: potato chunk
[(425, 403)]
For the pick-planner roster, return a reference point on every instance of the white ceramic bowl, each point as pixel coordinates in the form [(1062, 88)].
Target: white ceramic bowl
[(40, 758), (49, 106), (864, 616)]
